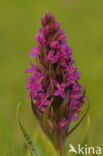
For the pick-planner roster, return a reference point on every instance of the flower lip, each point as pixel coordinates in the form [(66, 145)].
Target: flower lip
[(60, 89)]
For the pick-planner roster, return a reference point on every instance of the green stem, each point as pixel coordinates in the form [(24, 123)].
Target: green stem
[(61, 147)]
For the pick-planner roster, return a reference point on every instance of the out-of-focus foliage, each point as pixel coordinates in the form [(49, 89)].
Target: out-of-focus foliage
[(19, 22)]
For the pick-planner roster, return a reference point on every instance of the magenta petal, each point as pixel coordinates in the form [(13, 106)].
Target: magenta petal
[(50, 54), (57, 93), (57, 26), (44, 20), (55, 83), (28, 70), (63, 95), (63, 123), (75, 117), (41, 37), (56, 57), (35, 53), (32, 55), (47, 29), (62, 37), (54, 44), (46, 103), (35, 50)]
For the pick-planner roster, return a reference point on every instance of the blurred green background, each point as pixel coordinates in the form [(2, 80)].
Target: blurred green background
[(19, 22)]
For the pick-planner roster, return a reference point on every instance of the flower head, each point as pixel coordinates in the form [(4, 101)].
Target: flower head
[(54, 79)]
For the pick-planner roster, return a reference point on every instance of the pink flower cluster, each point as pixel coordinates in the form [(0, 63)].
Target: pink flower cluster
[(54, 75)]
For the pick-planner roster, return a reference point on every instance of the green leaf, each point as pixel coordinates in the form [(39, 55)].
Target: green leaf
[(43, 143), (28, 140), (86, 137)]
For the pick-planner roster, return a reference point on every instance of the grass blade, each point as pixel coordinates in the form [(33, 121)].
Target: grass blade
[(86, 137), (28, 140)]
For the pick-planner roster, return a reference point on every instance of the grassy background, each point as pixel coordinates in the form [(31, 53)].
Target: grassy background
[(19, 22)]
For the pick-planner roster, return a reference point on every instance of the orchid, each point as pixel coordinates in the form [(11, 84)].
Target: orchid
[(54, 88)]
